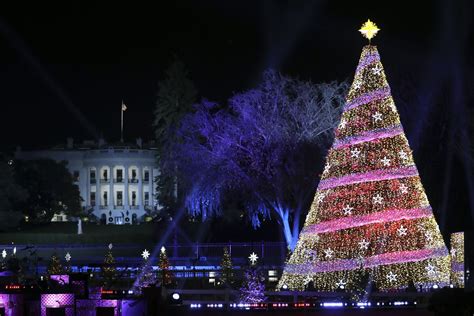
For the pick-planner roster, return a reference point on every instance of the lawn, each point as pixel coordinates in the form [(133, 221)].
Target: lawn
[(66, 233)]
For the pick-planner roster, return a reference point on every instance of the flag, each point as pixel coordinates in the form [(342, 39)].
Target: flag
[(124, 107)]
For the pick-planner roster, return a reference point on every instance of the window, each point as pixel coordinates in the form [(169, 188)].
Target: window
[(119, 175), (92, 174), (147, 198), (92, 198), (75, 175), (134, 198), (119, 198), (105, 175), (134, 174), (105, 198), (146, 176)]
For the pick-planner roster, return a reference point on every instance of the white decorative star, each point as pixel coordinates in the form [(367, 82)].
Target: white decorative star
[(347, 210), (402, 231), (391, 277), (378, 199), (403, 188), (328, 253), (377, 116), (403, 155), (111, 246), (145, 254), (429, 236), (453, 252), (307, 279), (341, 284), (385, 161), (357, 84), (355, 153), (376, 70), (364, 244), (343, 123), (163, 249), (68, 257), (430, 270), (253, 258), (321, 197), (326, 168), (4, 253)]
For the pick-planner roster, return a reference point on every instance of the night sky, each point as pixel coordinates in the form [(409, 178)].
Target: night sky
[(64, 69)]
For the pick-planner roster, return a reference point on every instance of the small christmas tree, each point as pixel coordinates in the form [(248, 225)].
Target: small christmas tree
[(54, 266), (146, 276), (108, 270), (226, 268), (164, 264), (253, 287)]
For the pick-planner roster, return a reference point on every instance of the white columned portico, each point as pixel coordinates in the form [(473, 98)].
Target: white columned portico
[(140, 187), (125, 190)]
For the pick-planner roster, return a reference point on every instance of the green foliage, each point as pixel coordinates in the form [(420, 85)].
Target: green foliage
[(55, 266), (176, 95), (50, 188), (11, 196), (226, 268)]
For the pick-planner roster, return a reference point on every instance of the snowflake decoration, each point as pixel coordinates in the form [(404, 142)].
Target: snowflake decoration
[(328, 253), (429, 236), (364, 244), (453, 252), (430, 270), (403, 155), (377, 116), (378, 199), (341, 284), (4, 253), (321, 197), (385, 161), (68, 257), (347, 210), (111, 246), (377, 70), (343, 123), (403, 188), (391, 277), (145, 254), (326, 168), (253, 258), (355, 153), (163, 249), (402, 231), (357, 84)]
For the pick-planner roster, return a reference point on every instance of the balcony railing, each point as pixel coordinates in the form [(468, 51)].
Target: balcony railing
[(104, 180), (145, 180), (134, 207), (118, 207), (103, 206), (135, 180), (118, 180), (93, 181)]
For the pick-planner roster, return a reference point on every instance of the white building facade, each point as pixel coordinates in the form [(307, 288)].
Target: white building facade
[(116, 181)]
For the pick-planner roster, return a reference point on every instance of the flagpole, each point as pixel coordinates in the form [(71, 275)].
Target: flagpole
[(121, 122)]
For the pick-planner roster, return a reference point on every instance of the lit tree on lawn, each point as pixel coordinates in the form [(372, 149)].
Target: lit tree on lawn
[(54, 266), (108, 269), (226, 267), (253, 287), (147, 277), (258, 151), (164, 264), (370, 205)]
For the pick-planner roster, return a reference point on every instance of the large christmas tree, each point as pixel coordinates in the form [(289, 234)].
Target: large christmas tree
[(370, 210)]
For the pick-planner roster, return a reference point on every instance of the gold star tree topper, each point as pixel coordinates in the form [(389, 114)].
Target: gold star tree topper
[(369, 29)]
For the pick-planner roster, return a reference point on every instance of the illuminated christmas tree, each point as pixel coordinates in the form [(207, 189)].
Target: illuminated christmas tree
[(54, 266), (146, 276), (253, 286), (370, 207), (226, 268), (108, 269), (164, 264)]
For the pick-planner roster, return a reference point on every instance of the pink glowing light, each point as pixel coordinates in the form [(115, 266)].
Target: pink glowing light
[(368, 136), (367, 98)]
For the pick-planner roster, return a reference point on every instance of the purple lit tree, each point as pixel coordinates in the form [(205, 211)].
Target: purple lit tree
[(262, 150)]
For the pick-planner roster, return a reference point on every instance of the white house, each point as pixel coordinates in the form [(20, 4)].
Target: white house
[(116, 181)]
